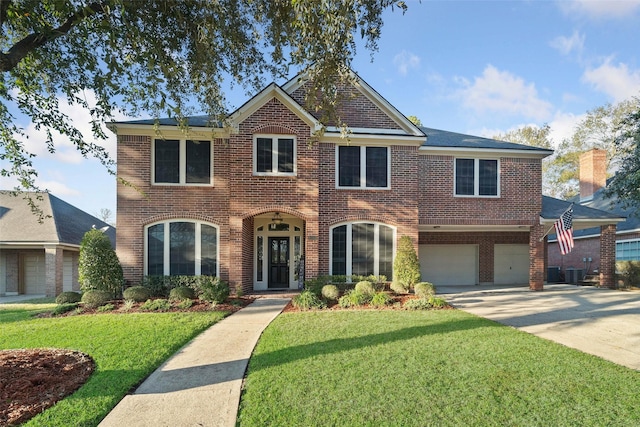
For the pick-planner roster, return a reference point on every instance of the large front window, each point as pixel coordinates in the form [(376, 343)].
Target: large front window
[(362, 167), (188, 248), (183, 162), (274, 155), (628, 250), (362, 248), (476, 177)]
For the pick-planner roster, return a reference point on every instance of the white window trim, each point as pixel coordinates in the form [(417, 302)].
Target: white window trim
[(363, 170), (376, 245), (166, 252), (275, 141), (476, 178), (182, 164)]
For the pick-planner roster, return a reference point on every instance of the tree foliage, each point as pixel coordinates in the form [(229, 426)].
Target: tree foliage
[(98, 266), (406, 267), (157, 57)]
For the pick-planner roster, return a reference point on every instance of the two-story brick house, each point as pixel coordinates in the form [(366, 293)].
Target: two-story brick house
[(263, 200)]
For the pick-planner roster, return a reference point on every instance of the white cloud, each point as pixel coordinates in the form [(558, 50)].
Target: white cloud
[(617, 81), (58, 188), (600, 10), (563, 126), (406, 60), (567, 45), (502, 92)]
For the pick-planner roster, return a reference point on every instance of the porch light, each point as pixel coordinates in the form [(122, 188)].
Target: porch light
[(277, 219)]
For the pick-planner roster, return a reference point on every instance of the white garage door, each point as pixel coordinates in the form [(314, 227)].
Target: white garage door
[(67, 273), (511, 264), (34, 277), (449, 264)]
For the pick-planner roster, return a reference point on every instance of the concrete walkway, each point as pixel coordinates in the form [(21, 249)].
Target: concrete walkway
[(200, 385), (602, 322)]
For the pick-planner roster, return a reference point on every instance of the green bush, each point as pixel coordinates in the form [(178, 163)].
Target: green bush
[(628, 273), (353, 298), (417, 304), (406, 268), (106, 307), (184, 304), (95, 298), (68, 297), (424, 289), (136, 293), (330, 292), (438, 302), (98, 265), (182, 293), (380, 299), (212, 289), (399, 288), (64, 307), (307, 300), (156, 305), (365, 287)]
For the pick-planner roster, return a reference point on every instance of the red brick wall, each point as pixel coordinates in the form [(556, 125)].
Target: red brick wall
[(583, 248)]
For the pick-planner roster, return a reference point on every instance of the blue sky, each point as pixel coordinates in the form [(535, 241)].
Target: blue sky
[(477, 67)]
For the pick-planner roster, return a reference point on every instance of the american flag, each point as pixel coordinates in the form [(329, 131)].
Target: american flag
[(564, 231)]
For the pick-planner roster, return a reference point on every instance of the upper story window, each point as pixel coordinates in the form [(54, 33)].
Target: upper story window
[(182, 162), (362, 167), (476, 177), (274, 155)]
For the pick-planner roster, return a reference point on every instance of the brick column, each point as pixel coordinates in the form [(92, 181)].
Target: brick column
[(536, 258), (54, 262), (608, 256), (311, 259)]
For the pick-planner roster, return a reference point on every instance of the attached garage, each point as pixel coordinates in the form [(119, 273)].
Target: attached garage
[(445, 265), (511, 264), (34, 274)]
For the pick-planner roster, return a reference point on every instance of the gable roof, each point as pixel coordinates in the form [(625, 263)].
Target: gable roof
[(64, 223)]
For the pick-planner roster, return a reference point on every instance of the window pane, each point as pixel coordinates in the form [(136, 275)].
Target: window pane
[(385, 266), (339, 250), (155, 250), (167, 161), (488, 177), (182, 248), (464, 177), (362, 249), (285, 155), (264, 161), (349, 166), (208, 250), (198, 162), (376, 166)]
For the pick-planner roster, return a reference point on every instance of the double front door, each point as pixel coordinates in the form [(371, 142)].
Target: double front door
[(278, 262)]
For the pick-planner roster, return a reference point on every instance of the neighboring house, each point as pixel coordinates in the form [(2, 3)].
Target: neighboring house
[(263, 203), (585, 259), (41, 258)]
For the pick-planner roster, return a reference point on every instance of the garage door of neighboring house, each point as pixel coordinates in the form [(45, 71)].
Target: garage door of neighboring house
[(67, 273), (511, 264), (34, 274), (449, 264)]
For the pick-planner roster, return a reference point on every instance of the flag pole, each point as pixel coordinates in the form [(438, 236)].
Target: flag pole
[(551, 228)]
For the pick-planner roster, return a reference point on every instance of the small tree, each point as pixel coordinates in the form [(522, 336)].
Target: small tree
[(99, 267), (406, 268)]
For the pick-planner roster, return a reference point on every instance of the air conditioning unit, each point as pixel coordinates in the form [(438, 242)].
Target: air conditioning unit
[(574, 275)]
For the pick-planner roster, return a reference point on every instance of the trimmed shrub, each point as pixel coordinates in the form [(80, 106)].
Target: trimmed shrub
[(365, 287), (307, 300), (63, 308), (105, 308), (68, 297), (438, 302), (330, 292), (136, 293), (380, 299), (424, 289), (156, 305), (399, 288), (212, 289), (95, 298), (406, 268), (182, 293), (98, 265), (353, 298), (417, 304), (184, 304)]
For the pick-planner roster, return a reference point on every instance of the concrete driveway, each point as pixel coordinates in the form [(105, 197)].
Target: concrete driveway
[(602, 322)]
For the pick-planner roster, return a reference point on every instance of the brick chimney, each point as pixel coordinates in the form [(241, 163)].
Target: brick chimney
[(593, 172)]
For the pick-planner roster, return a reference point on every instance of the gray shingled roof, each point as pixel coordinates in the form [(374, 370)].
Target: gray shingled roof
[(193, 121), (65, 224), (446, 139)]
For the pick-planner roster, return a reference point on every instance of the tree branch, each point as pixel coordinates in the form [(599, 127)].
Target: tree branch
[(9, 60)]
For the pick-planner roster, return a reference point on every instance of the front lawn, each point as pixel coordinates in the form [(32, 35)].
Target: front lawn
[(125, 347), (422, 368)]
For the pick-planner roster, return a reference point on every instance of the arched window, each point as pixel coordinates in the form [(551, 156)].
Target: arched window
[(181, 247), (362, 248)]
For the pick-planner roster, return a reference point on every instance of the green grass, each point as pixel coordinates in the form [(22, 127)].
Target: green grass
[(435, 368), (125, 347)]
